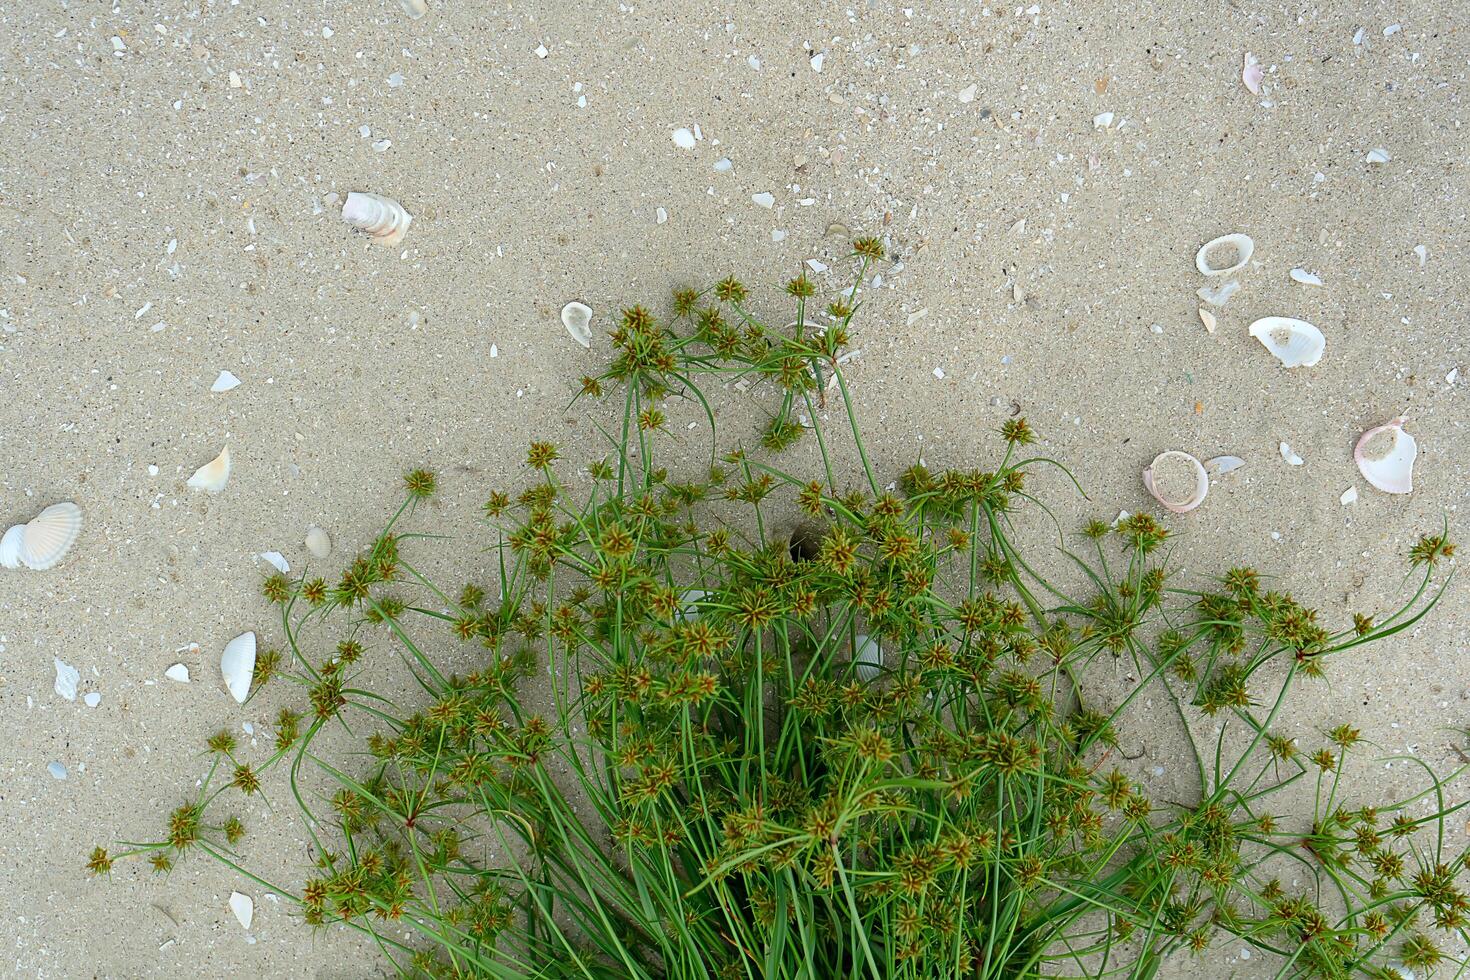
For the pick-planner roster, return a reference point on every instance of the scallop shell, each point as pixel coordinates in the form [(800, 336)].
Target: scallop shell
[(1243, 246), (577, 318), (1392, 470), (10, 546), (1201, 482), (869, 657), (381, 217), (318, 542), (1295, 343), (237, 664), (213, 475), (46, 539), (415, 8)]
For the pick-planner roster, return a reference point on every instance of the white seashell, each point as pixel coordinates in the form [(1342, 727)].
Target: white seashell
[(1221, 465), (1305, 278), (237, 664), (48, 536), (683, 138), (66, 681), (1251, 74), (764, 199), (1173, 497), (1295, 343), (869, 657), (1289, 454), (178, 672), (1377, 155), (577, 318), (1243, 246), (1422, 254), (10, 546), (1218, 295), (381, 217), (56, 769), (318, 542), (1388, 467), (225, 382), (213, 475), (277, 559), (1349, 496), (1208, 319), (415, 8), (243, 907), (91, 699), (1103, 120)]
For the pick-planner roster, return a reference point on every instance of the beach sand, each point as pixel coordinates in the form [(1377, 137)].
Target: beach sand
[(166, 173)]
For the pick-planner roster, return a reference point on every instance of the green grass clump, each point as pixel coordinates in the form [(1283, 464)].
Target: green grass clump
[(751, 723)]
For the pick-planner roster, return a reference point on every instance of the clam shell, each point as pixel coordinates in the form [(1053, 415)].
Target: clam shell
[(213, 475), (318, 542), (577, 318), (869, 657), (46, 539), (1295, 343), (381, 217), (1201, 482), (67, 678), (237, 665), (1392, 469), (10, 546), (1243, 246)]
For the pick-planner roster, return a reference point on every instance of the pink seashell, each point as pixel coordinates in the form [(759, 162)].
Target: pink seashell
[(1390, 470), (1178, 505), (1252, 73)]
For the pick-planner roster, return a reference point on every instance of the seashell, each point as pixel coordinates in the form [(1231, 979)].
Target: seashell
[(92, 698), (213, 475), (237, 664), (1175, 470), (1385, 456), (178, 672), (244, 908), (1349, 496), (318, 542), (1251, 74), (1208, 319), (1243, 246), (1377, 155), (1305, 278), (381, 217), (67, 678), (225, 382), (1220, 465), (10, 546), (415, 8), (1289, 454), (577, 318), (1295, 343), (683, 138), (48, 536), (1103, 120), (1218, 295), (276, 559), (869, 657)]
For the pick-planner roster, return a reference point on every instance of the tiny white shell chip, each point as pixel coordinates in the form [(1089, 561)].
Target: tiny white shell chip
[(277, 559), (689, 610), (683, 138), (1349, 496), (56, 769), (1173, 493), (764, 199), (178, 672), (1295, 343), (1103, 120), (383, 218), (577, 318), (1377, 155), (967, 94), (46, 538), (225, 382), (1385, 456), (91, 699), (1305, 278), (1218, 295), (237, 664), (1243, 245), (318, 542), (1220, 465), (10, 546), (1251, 73), (415, 8), (212, 476), (1289, 454), (869, 657), (1208, 319), (243, 907), (67, 678)]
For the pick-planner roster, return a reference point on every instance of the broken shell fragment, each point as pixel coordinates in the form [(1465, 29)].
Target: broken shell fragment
[(10, 546), (577, 318), (1377, 155), (178, 672), (225, 382), (1218, 295), (381, 217), (1300, 275), (244, 908), (213, 475), (318, 542), (1290, 455), (43, 541), (1242, 245), (237, 664), (415, 8), (1385, 456), (1177, 480), (1349, 496), (1208, 319), (1251, 74), (1295, 343), (869, 657), (1220, 465)]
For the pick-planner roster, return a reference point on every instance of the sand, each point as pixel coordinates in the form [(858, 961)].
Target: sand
[(164, 215)]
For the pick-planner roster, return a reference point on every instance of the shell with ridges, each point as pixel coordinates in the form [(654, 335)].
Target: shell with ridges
[(47, 537), (1244, 247), (1295, 343), (10, 546), (237, 665), (1391, 470), (1175, 504), (869, 657), (381, 217)]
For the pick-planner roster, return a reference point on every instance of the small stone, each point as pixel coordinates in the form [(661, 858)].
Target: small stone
[(395, 80), (967, 94), (1156, 327)]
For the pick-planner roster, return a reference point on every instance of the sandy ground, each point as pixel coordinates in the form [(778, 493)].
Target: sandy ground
[(165, 172)]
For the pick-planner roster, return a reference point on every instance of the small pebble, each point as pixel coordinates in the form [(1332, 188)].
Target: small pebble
[(56, 769), (660, 215), (541, 51)]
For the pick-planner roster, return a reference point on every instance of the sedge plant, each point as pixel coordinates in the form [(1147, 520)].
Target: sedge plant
[(747, 722)]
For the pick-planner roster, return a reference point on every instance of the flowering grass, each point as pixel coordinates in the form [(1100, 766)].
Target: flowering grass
[(704, 740)]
